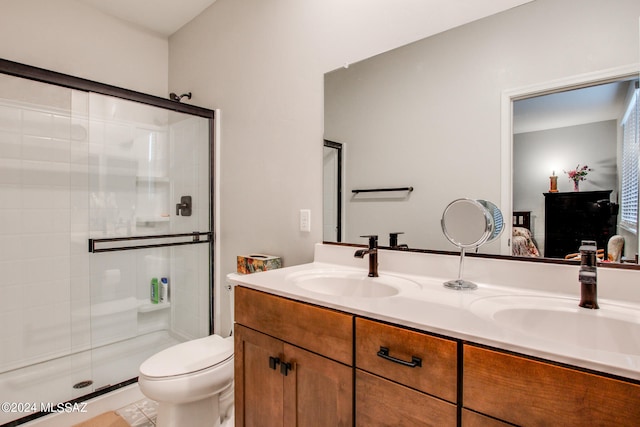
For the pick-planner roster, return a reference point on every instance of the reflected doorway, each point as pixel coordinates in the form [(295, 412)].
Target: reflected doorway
[(561, 130), (332, 191)]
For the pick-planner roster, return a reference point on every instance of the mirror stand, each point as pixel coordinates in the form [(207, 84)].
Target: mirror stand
[(459, 283)]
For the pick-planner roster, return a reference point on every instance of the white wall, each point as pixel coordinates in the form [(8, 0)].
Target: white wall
[(71, 38), (262, 63), (537, 154)]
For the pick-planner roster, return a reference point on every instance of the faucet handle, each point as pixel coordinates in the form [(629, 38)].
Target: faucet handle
[(588, 249), (588, 246), (393, 238), (373, 240)]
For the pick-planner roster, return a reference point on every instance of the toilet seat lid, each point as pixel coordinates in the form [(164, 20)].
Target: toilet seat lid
[(187, 357)]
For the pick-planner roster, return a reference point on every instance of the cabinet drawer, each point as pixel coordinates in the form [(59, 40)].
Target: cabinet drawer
[(473, 419), (497, 383), (436, 376), (380, 402), (320, 330)]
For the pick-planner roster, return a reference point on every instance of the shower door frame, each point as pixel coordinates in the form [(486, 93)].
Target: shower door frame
[(76, 83)]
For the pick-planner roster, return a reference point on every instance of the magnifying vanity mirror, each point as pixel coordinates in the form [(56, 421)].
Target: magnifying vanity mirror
[(469, 224)]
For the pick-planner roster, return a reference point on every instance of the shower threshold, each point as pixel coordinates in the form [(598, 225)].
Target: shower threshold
[(48, 383)]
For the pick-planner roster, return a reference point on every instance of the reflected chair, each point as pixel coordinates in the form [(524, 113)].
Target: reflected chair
[(615, 248)]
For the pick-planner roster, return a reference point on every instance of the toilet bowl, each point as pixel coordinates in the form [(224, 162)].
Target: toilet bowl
[(192, 383)]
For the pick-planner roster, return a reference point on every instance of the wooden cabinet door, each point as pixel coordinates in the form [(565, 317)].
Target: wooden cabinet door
[(380, 402), (300, 389), (318, 392), (259, 389)]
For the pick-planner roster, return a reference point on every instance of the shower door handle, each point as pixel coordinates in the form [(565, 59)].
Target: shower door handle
[(154, 241), (184, 207)]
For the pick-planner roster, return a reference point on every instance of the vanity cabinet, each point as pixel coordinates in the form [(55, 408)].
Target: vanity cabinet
[(293, 363), (298, 364), (404, 377), (529, 392)]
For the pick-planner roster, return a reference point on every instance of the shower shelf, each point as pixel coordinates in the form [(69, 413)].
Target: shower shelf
[(147, 307)]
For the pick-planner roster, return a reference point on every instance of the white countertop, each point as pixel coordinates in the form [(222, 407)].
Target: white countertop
[(430, 307)]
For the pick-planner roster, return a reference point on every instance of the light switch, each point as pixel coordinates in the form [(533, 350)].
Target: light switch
[(305, 220)]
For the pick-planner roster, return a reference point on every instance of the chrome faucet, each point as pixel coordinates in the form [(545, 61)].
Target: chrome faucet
[(373, 255), (588, 276)]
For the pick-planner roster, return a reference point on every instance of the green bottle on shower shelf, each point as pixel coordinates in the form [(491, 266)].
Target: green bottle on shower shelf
[(154, 290)]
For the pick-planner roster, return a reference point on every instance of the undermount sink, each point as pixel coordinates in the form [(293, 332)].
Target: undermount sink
[(612, 328), (351, 283)]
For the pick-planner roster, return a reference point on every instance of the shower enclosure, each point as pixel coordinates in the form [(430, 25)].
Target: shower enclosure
[(104, 192)]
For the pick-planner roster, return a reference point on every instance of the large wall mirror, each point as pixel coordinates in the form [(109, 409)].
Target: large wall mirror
[(489, 110)]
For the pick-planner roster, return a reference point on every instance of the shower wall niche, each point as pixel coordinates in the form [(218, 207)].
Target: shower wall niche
[(89, 184)]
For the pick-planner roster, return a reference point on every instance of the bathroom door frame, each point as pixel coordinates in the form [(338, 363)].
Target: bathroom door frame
[(338, 190)]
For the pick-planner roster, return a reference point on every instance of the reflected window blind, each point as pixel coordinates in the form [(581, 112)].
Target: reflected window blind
[(630, 152)]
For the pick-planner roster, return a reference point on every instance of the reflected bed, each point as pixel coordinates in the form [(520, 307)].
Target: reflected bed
[(522, 243)]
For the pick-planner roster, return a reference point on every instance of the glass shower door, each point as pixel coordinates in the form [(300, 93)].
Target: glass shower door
[(150, 222), (44, 306), (78, 167)]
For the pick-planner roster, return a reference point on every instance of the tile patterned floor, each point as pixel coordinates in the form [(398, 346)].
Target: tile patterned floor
[(142, 413)]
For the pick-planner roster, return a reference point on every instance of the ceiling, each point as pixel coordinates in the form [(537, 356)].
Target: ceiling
[(570, 108), (164, 17)]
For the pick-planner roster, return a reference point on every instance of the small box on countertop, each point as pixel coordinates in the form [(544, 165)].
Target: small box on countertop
[(258, 262)]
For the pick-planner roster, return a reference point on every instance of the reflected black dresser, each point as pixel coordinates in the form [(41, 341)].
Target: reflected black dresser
[(576, 216)]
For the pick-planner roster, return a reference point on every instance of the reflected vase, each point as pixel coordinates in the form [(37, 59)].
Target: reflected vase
[(576, 185)]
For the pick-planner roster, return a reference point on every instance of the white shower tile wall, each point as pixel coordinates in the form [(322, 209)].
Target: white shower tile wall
[(188, 299), (35, 218), (190, 176), (38, 309)]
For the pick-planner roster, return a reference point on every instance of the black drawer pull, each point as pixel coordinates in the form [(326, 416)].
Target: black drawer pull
[(415, 361)]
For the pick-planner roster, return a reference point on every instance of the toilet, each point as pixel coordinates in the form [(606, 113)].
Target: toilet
[(192, 383)]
